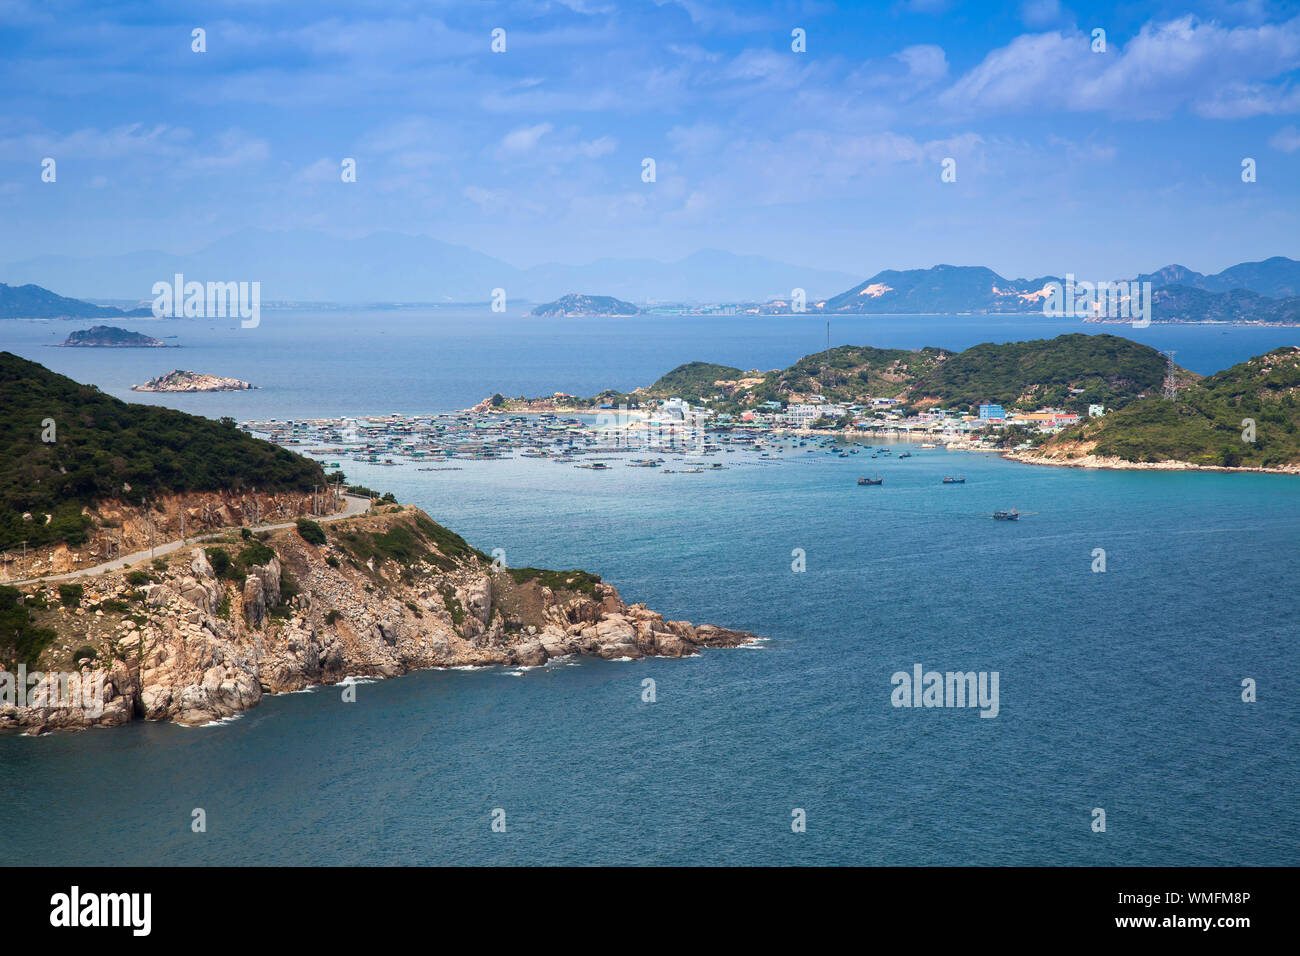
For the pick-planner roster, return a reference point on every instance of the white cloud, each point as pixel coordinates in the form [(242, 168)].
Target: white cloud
[(525, 139), (1243, 100), (1287, 139), (926, 63), (321, 171), (133, 139), (594, 149), (1182, 61), (233, 148), (1037, 14)]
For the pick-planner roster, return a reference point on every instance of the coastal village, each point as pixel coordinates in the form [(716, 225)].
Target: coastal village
[(553, 429)]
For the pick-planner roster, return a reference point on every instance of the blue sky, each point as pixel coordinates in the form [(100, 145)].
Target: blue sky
[(1067, 159)]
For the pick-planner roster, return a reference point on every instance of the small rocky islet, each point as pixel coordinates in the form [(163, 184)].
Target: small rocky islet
[(179, 380)]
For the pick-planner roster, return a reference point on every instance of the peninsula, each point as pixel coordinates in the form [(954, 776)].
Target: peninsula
[(33, 302), (1081, 400), (290, 582)]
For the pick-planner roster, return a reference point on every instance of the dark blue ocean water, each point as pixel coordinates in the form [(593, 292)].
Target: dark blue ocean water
[(1119, 690)]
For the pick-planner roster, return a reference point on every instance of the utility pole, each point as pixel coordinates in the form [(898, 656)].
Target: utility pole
[(1171, 378), (148, 517)]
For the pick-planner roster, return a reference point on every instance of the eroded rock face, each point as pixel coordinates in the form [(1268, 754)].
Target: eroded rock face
[(211, 649), (254, 600)]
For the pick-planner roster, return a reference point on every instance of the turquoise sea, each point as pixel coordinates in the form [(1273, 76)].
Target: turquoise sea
[(1118, 690)]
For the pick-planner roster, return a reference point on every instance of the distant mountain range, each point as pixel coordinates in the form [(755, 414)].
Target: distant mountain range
[(1180, 303), (940, 289), (33, 302), (1251, 291), (390, 267), (1277, 278)]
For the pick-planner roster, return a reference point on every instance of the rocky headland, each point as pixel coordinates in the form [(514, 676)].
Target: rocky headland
[(205, 633)]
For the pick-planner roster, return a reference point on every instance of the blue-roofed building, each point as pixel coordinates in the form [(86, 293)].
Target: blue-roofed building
[(990, 412)]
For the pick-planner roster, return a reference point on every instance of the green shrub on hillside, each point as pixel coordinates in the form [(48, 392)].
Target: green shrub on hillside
[(311, 532), (106, 446)]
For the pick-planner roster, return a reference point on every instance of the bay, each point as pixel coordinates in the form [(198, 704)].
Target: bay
[(1118, 690)]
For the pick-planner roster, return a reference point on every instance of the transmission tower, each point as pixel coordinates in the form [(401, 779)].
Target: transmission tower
[(1171, 378)]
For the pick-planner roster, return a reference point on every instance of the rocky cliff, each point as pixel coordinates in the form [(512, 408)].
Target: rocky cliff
[(122, 527), (204, 634)]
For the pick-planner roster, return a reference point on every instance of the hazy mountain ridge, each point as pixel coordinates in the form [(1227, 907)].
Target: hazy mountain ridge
[(1247, 292), (394, 267), (34, 302), (1277, 278)]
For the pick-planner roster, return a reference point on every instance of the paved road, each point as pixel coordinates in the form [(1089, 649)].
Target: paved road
[(355, 505)]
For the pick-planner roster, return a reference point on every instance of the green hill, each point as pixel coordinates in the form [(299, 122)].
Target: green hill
[(33, 302), (1205, 425), (693, 381), (851, 374), (1069, 371), (1110, 370), (576, 305), (102, 443)]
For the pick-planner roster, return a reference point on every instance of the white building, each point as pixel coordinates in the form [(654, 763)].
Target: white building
[(675, 409), (801, 416)]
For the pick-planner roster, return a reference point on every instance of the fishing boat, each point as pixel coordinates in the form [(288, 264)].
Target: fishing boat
[(1012, 515), (906, 454), (871, 481), (950, 480)]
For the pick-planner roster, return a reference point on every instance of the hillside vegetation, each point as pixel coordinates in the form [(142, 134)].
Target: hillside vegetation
[(103, 445), (1207, 424), (1069, 371), (1110, 370)]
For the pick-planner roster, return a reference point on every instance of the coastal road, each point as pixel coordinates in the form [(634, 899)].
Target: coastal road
[(353, 505)]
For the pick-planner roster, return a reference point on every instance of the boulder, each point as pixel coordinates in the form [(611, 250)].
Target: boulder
[(530, 654)]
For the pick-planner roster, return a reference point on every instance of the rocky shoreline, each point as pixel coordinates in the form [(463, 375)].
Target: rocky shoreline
[(387, 593), (1120, 464)]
